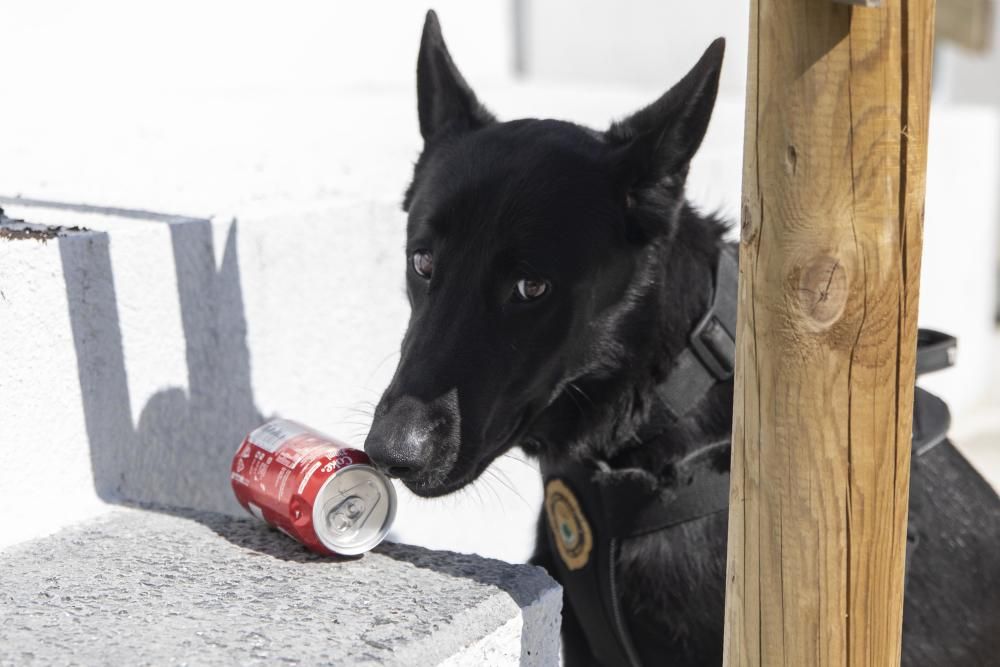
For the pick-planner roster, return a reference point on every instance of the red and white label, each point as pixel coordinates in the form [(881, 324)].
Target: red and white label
[(278, 470)]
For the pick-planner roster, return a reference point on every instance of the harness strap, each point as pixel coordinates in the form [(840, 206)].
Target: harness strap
[(935, 351), (702, 488), (931, 420), (710, 356), (585, 555)]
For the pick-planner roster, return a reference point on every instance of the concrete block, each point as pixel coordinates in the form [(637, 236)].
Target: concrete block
[(48, 481), (144, 587)]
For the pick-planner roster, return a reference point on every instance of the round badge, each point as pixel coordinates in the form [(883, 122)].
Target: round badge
[(570, 530)]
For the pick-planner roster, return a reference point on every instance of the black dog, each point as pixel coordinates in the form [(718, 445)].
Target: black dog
[(554, 274)]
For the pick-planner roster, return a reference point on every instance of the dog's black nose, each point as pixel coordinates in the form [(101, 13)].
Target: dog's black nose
[(405, 458), (401, 441)]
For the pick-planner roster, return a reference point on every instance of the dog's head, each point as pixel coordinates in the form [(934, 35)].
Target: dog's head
[(524, 239)]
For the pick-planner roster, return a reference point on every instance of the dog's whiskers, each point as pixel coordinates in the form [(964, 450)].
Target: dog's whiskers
[(486, 482), (381, 363), (507, 484), (510, 456)]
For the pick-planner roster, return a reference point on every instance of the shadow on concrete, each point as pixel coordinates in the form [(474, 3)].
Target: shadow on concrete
[(176, 459), (253, 535), (249, 534), (464, 566), (179, 452), (523, 589)]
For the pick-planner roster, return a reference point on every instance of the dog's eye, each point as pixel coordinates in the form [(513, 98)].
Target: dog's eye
[(527, 289), (423, 263)]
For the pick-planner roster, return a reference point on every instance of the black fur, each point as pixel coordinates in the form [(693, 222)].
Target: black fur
[(600, 219)]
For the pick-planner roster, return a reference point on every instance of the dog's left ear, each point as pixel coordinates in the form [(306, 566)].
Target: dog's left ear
[(444, 100), (655, 145)]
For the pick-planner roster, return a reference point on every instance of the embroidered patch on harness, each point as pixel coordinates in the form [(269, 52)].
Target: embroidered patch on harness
[(569, 526)]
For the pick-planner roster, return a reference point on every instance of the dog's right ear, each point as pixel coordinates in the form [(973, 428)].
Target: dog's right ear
[(444, 100), (655, 144)]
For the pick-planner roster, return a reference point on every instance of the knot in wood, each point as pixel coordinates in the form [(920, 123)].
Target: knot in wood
[(823, 290), (792, 160)]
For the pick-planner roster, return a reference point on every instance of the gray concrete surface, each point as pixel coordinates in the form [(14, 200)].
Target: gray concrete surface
[(142, 587)]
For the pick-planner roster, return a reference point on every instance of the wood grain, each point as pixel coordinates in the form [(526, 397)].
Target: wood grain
[(833, 192)]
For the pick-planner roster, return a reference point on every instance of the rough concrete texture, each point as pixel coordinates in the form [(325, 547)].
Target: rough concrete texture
[(142, 587)]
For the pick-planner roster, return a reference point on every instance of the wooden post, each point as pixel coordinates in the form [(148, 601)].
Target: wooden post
[(833, 197)]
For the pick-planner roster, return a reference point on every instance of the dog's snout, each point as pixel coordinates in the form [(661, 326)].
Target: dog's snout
[(403, 438), (404, 457)]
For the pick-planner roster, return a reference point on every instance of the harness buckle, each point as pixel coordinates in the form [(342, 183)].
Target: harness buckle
[(714, 346)]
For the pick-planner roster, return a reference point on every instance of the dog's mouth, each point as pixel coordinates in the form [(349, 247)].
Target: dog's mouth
[(465, 471)]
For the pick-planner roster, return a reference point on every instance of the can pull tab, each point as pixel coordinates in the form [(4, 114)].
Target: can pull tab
[(348, 516)]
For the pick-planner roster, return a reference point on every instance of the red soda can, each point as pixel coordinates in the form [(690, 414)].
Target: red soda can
[(313, 488)]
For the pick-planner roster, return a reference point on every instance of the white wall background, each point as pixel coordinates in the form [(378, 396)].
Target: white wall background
[(647, 42), (972, 78), (161, 47)]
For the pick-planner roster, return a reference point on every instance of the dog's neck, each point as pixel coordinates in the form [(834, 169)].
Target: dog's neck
[(618, 418)]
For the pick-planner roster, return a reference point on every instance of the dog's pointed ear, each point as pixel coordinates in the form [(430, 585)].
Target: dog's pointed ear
[(444, 100), (655, 144)]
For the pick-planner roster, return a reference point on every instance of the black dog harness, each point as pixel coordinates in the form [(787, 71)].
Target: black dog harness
[(588, 519)]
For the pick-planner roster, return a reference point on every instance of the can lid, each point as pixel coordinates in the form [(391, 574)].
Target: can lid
[(354, 509)]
